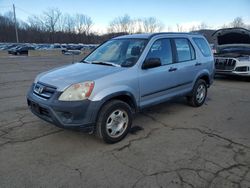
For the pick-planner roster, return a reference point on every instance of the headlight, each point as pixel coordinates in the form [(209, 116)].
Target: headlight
[(77, 92)]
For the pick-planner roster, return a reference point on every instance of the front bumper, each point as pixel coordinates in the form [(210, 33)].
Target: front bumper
[(66, 114), (232, 73), (232, 66)]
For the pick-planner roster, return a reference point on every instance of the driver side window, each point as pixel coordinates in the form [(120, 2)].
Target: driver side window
[(161, 49)]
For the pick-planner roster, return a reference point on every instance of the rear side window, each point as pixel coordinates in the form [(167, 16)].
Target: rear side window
[(184, 50), (202, 45)]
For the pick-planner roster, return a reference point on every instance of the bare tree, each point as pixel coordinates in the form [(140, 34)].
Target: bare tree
[(36, 23), (83, 23), (120, 24), (51, 18), (114, 26), (22, 24), (128, 25), (10, 16), (193, 28), (169, 29), (202, 25), (237, 22), (137, 26), (224, 26), (151, 25), (38, 29), (61, 23), (179, 27), (69, 23)]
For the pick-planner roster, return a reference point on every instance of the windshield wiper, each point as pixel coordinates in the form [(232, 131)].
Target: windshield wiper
[(83, 61), (105, 63)]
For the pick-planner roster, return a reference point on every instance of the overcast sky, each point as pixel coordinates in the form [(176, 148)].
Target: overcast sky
[(171, 12)]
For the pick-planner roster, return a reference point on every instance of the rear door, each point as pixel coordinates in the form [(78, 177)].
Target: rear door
[(186, 64)]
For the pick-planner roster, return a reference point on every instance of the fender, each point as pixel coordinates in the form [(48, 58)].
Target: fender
[(108, 91), (99, 104), (120, 93), (201, 74)]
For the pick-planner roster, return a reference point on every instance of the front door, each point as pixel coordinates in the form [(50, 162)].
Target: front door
[(155, 83)]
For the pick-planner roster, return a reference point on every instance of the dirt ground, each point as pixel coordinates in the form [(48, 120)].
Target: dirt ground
[(178, 146)]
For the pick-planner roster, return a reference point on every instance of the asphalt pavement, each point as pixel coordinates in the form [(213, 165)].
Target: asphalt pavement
[(171, 145)]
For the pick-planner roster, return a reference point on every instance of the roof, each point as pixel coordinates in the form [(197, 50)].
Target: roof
[(150, 35)]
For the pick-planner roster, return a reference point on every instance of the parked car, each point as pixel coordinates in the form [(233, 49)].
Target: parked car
[(42, 46), (72, 52), (20, 50), (7, 46), (13, 49), (123, 76), (233, 52), (74, 47)]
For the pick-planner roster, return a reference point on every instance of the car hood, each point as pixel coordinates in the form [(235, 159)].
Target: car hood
[(232, 41), (65, 76), (232, 36)]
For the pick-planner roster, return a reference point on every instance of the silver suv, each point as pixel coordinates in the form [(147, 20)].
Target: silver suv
[(121, 77)]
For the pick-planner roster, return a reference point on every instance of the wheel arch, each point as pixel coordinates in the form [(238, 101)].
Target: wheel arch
[(204, 76), (124, 96)]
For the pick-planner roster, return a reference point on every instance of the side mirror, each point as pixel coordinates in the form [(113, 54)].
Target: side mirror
[(151, 63)]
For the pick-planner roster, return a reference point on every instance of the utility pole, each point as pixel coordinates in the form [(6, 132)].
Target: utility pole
[(14, 11)]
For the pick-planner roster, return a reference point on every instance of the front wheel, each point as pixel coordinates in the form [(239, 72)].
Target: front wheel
[(199, 94), (114, 121)]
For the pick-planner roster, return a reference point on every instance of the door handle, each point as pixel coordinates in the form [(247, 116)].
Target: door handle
[(172, 69), (197, 64)]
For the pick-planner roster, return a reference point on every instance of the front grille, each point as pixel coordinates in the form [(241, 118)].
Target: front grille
[(225, 63), (44, 91)]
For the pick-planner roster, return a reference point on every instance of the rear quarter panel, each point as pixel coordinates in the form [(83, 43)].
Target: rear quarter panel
[(207, 67)]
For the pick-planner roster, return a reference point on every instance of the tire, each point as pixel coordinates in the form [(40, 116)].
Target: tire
[(114, 121), (198, 94)]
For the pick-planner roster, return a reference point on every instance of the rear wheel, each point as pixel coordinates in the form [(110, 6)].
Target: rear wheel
[(114, 121), (199, 94)]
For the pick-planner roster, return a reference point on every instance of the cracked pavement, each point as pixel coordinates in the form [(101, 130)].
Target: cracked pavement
[(178, 146)]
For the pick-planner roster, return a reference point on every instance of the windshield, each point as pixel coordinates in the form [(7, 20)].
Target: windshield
[(121, 52)]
